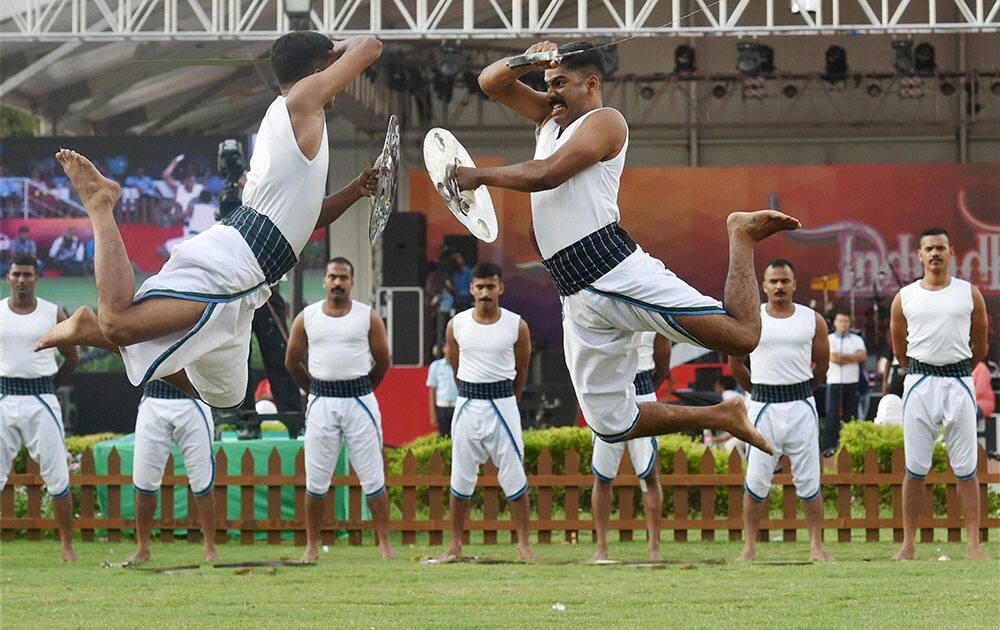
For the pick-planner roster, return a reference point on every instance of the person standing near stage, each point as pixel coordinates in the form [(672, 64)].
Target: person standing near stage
[(348, 357), (489, 348), (788, 364), (168, 416), (847, 351), (654, 368), (442, 393), (29, 410), (939, 328)]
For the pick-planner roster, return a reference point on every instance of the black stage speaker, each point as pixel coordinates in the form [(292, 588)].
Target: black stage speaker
[(404, 250), (467, 244)]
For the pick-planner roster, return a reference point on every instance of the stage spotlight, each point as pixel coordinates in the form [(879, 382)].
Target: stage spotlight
[(718, 90), (647, 92), (836, 63), (684, 59), (947, 88), (874, 90), (902, 56), (790, 91), (450, 60), (923, 59), (753, 59)]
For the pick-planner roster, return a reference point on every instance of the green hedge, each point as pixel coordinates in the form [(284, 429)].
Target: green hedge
[(856, 438)]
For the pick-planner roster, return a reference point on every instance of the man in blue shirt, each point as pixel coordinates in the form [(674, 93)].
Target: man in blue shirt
[(442, 392)]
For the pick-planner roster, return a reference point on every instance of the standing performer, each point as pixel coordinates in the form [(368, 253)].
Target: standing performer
[(489, 348), (29, 410), (780, 379), (194, 316), (610, 287), (168, 416), (654, 368), (939, 328), (348, 357), (847, 351)]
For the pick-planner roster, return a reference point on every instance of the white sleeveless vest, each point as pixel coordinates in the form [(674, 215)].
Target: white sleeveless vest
[(938, 323), (486, 351), (281, 183), (18, 336), (784, 354), (582, 204), (338, 346)]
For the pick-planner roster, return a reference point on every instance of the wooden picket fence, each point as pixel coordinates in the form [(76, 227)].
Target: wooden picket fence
[(546, 522)]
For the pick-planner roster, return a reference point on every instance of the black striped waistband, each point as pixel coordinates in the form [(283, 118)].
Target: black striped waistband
[(360, 386), (275, 256), (486, 391), (10, 386), (585, 261), (781, 393), (162, 389), (957, 370), (644, 383)]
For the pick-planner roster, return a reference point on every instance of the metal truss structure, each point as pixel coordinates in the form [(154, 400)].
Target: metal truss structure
[(247, 20)]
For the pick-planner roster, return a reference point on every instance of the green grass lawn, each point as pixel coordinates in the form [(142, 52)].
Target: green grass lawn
[(350, 587)]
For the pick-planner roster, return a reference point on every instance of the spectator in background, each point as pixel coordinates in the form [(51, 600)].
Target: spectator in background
[(22, 245), (10, 194), (188, 189), (442, 391), (67, 253), (461, 279), (864, 392), (847, 351), (983, 383), (444, 300), (4, 253), (88, 258), (199, 216), (146, 189)]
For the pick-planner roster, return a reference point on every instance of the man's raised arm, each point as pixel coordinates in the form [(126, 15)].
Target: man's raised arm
[(501, 84), (351, 57)]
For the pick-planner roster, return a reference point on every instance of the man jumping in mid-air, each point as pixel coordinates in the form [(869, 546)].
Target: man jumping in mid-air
[(190, 323), (610, 288)]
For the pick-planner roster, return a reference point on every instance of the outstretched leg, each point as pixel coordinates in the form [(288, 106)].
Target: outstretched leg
[(121, 322), (738, 331), (730, 416)]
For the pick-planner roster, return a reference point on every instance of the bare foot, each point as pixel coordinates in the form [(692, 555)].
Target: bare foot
[(68, 555), (98, 193), (905, 553), (759, 225), (820, 555), (311, 554), (454, 554), (140, 556), (79, 329), (747, 555), (386, 553), (211, 555), (655, 555), (977, 553), (527, 555), (736, 422)]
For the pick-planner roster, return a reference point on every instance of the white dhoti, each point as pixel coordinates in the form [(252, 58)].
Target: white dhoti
[(216, 267)]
